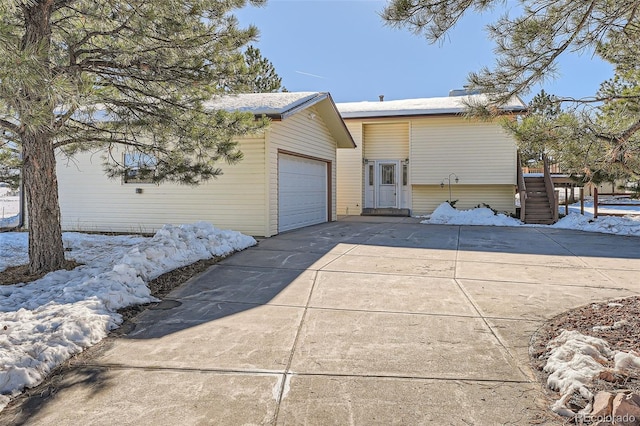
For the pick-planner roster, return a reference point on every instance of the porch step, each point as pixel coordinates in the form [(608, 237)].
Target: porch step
[(386, 212)]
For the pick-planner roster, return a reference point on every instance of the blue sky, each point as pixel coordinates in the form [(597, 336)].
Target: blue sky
[(344, 47)]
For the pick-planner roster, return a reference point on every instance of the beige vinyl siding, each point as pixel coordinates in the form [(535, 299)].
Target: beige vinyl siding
[(303, 133), (349, 174), (426, 198), (386, 141), (89, 201), (478, 152)]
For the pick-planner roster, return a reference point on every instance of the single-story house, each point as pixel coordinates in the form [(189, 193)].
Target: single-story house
[(286, 180), (411, 153)]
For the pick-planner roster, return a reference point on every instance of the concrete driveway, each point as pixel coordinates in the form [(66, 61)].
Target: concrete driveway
[(362, 321)]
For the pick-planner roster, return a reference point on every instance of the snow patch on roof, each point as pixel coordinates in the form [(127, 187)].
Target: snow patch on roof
[(261, 103), (421, 106)]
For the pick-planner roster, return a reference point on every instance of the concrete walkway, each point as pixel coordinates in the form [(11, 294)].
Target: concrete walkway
[(363, 321)]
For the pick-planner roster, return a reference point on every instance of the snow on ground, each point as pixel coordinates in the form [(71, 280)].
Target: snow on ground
[(45, 322), (626, 225), (9, 209), (445, 214), (575, 360), (588, 207)]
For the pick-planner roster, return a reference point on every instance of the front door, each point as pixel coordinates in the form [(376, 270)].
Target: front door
[(387, 184)]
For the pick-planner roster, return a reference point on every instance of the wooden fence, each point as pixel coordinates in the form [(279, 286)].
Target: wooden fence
[(597, 201)]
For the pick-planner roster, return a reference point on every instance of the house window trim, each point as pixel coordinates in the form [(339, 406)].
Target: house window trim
[(134, 181)]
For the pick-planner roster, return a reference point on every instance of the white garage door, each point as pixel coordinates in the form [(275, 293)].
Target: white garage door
[(302, 192)]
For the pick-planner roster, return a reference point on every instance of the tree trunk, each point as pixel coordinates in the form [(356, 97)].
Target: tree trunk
[(46, 252)]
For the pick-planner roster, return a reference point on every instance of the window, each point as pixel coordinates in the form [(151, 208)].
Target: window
[(404, 174), (371, 174), (388, 174), (139, 167)]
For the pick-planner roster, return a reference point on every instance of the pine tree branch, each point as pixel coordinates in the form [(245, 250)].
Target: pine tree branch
[(13, 128), (62, 119), (635, 127), (597, 99), (556, 52)]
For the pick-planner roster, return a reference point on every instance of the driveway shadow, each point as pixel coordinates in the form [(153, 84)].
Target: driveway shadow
[(261, 275)]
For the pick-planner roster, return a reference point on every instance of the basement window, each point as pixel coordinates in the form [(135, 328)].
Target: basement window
[(139, 167)]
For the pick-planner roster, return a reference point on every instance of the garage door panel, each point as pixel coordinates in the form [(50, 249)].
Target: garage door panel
[(302, 192)]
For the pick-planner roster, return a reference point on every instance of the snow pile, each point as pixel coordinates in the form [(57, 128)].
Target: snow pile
[(627, 225), (445, 214), (45, 322), (627, 361), (574, 360)]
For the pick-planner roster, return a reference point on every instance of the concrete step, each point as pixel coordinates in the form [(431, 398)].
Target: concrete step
[(386, 212)]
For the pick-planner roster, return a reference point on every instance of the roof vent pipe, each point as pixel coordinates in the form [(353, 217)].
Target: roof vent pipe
[(381, 98), (464, 92)]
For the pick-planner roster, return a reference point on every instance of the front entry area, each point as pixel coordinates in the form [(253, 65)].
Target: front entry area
[(387, 184), (385, 181)]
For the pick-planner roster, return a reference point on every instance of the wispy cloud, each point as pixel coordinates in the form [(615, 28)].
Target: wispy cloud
[(309, 74)]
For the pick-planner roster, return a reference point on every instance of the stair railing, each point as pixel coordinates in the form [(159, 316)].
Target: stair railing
[(551, 192), (522, 189)]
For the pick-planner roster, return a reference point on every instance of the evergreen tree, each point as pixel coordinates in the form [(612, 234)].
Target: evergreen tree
[(95, 74), (261, 76), (596, 134), (600, 142)]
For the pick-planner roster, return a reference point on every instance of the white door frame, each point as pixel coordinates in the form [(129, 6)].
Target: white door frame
[(372, 195)]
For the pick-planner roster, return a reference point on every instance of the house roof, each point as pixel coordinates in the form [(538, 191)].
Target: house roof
[(275, 105), (447, 105), (281, 105)]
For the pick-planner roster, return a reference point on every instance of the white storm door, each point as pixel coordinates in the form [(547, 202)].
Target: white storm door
[(387, 184)]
